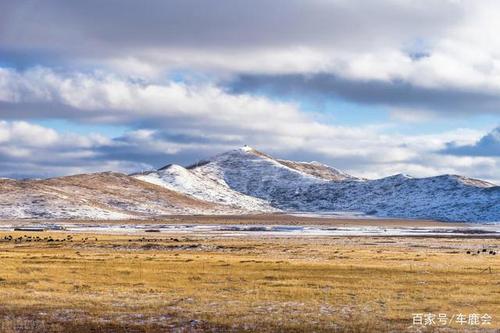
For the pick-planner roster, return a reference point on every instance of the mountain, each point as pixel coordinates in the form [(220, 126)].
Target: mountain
[(105, 195), (246, 181), (314, 187)]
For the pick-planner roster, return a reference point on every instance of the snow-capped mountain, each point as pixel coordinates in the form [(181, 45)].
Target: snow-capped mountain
[(246, 181), (313, 187)]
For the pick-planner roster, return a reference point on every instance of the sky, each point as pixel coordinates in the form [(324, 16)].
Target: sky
[(374, 88)]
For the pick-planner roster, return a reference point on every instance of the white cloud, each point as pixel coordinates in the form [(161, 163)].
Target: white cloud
[(26, 134), (30, 150), (178, 119)]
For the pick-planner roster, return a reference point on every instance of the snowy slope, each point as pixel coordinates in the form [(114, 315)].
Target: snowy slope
[(292, 188), (95, 196), (247, 181), (207, 188), (318, 170)]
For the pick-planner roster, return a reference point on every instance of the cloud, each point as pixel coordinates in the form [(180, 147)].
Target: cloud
[(423, 42), (424, 56), (202, 110), (393, 94), (24, 134), (488, 145), (180, 123), (30, 150), (230, 36), (109, 62), (115, 27)]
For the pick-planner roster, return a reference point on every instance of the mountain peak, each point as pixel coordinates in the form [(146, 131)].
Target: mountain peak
[(251, 150), (243, 152), (247, 149), (248, 156)]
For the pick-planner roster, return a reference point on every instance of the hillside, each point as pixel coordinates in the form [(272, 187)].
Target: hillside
[(206, 188), (244, 181), (306, 187), (105, 195)]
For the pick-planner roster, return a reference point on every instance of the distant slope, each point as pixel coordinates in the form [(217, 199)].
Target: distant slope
[(298, 186), (95, 196)]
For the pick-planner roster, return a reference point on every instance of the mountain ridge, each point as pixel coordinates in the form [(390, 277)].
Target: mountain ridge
[(444, 197), (245, 181)]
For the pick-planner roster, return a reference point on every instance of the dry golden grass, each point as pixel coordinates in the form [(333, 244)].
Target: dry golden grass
[(185, 283)]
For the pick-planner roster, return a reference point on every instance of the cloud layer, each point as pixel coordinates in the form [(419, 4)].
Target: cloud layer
[(189, 78), (441, 43), (180, 123), (488, 145)]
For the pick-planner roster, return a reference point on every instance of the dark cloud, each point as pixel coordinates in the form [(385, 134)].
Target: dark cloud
[(39, 110), (488, 145), (184, 148), (113, 26), (398, 94)]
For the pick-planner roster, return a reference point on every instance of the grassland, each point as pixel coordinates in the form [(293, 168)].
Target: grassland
[(161, 283)]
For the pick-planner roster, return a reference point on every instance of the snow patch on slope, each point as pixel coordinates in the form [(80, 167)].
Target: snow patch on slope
[(211, 189), (318, 170)]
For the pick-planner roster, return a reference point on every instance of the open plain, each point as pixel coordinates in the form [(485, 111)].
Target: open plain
[(65, 281)]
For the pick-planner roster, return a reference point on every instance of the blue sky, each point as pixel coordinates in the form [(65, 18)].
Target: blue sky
[(375, 88), (66, 127)]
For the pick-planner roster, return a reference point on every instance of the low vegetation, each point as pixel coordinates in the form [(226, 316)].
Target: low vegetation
[(155, 282)]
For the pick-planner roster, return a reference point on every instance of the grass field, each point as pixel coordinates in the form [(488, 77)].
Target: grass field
[(160, 283)]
